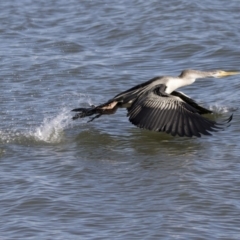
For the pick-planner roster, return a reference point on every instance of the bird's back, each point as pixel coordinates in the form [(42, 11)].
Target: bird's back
[(142, 87)]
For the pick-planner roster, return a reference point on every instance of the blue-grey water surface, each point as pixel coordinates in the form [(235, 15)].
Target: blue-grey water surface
[(107, 179)]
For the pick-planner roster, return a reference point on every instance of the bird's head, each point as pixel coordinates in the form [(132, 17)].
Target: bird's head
[(221, 73), (194, 74)]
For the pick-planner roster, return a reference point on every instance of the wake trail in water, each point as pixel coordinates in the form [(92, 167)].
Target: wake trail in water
[(51, 130)]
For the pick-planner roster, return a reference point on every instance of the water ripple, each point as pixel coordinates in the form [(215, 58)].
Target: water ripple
[(108, 179)]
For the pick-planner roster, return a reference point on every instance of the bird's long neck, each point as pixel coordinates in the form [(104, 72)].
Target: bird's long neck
[(178, 82)]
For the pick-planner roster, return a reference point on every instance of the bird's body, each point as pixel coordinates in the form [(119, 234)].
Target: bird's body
[(155, 105)]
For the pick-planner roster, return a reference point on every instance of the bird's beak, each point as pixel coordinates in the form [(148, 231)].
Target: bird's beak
[(225, 74)]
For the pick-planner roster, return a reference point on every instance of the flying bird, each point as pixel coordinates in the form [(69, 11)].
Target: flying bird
[(156, 105)]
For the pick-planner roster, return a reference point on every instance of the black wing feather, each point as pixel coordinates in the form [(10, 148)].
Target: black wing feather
[(170, 114)]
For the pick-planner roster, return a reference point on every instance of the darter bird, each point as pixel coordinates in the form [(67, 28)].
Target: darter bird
[(156, 105)]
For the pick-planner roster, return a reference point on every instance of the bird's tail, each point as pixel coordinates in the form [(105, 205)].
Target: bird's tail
[(84, 112)]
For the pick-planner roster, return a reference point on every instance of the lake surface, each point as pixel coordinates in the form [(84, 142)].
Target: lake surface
[(108, 179)]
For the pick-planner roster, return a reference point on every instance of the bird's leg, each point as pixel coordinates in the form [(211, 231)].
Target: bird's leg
[(97, 116), (110, 108)]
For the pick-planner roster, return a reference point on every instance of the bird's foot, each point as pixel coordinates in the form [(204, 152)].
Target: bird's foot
[(97, 116)]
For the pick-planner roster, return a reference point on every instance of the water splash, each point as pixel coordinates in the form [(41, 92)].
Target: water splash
[(51, 130), (222, 109)]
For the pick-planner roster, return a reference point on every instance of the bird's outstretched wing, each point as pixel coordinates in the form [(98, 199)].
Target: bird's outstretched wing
[(162, 112)]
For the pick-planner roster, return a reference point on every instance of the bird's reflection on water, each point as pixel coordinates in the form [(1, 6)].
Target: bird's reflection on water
[(153, 143), (135, 142)]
